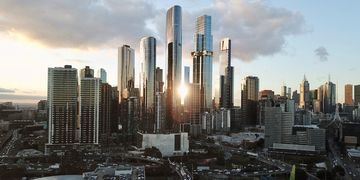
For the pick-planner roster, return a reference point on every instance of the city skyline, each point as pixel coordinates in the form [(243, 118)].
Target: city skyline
[(316, 57)]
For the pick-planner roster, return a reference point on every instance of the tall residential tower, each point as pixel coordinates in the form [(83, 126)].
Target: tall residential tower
[(174, 65), (148, 58), (203, 60)]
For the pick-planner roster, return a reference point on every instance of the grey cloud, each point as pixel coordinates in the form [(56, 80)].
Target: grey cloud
[(255, 28), (321, 53), (4, 90), (77, 24)]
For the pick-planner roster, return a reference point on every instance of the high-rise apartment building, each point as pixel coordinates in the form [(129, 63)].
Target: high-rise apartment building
[(90, 100), (226, 75), (62, 103), (174, 65), (349, 94), (148, 58), (203, 60), (126, 69)]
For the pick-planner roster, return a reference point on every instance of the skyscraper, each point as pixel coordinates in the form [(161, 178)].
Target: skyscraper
[(192, 107), (62, 103), (226, 75), (187, 74), (102, 75), (105, 113), (357, 94), (86, 72), (304, 94), (159, 82), (249, 98), (203, 60), (174, 64), (126, 70), (148, 58), (283, 91), (329, 97), (348, 94), (90, 99)]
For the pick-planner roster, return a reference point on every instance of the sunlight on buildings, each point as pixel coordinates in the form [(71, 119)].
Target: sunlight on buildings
[(183, 90)]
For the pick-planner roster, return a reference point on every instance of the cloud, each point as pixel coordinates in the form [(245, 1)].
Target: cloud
[(77, 24), (20, 97), (4, 90), (322, 53), (256, 29)]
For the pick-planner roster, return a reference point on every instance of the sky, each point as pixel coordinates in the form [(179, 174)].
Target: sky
[(279, 41)]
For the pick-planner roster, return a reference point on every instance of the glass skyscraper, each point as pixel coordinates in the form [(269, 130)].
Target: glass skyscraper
[(203, 60), (173, 65), (226, 74), (148, 58), (126, 70)]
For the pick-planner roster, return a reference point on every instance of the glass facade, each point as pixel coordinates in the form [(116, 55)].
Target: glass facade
[(203, 60), (126, 70), (174, 64), (226, 74), (148, 58)]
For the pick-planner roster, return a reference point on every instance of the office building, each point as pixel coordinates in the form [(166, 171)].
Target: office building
[(289, 93), (349, 94), (304, 94), (174, 65), (187, 74), (249, 100), (62, 104), (102, 75), (160, 111), (105, 113), (329, 97), (148, 59), (203, 60), (172, 144), (283, 91), (226, 75), (159, 82), (130, 115), (90, 100), (114, 113), (126, 69), (357, 94)]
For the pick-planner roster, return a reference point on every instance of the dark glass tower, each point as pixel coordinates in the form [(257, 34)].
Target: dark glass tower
[(227, 75), (174, 65)]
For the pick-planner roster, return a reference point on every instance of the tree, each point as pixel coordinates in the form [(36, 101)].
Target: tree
[(153, 152)]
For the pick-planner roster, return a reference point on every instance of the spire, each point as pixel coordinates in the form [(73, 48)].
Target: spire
[(329, 78), (304, 78)]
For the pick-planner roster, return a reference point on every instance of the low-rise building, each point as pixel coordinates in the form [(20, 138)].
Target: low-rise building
[(172, 144)]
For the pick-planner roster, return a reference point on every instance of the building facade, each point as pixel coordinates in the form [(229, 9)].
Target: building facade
[(226, 75), (174, 65), (148, 58), (349, 94), (62, 103), (203, 60), (126, 69)]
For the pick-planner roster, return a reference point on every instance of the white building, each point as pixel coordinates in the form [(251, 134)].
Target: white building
[(172, 144)]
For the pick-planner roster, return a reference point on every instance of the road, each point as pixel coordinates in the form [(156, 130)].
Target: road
[(10, 145), (342, 160)]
